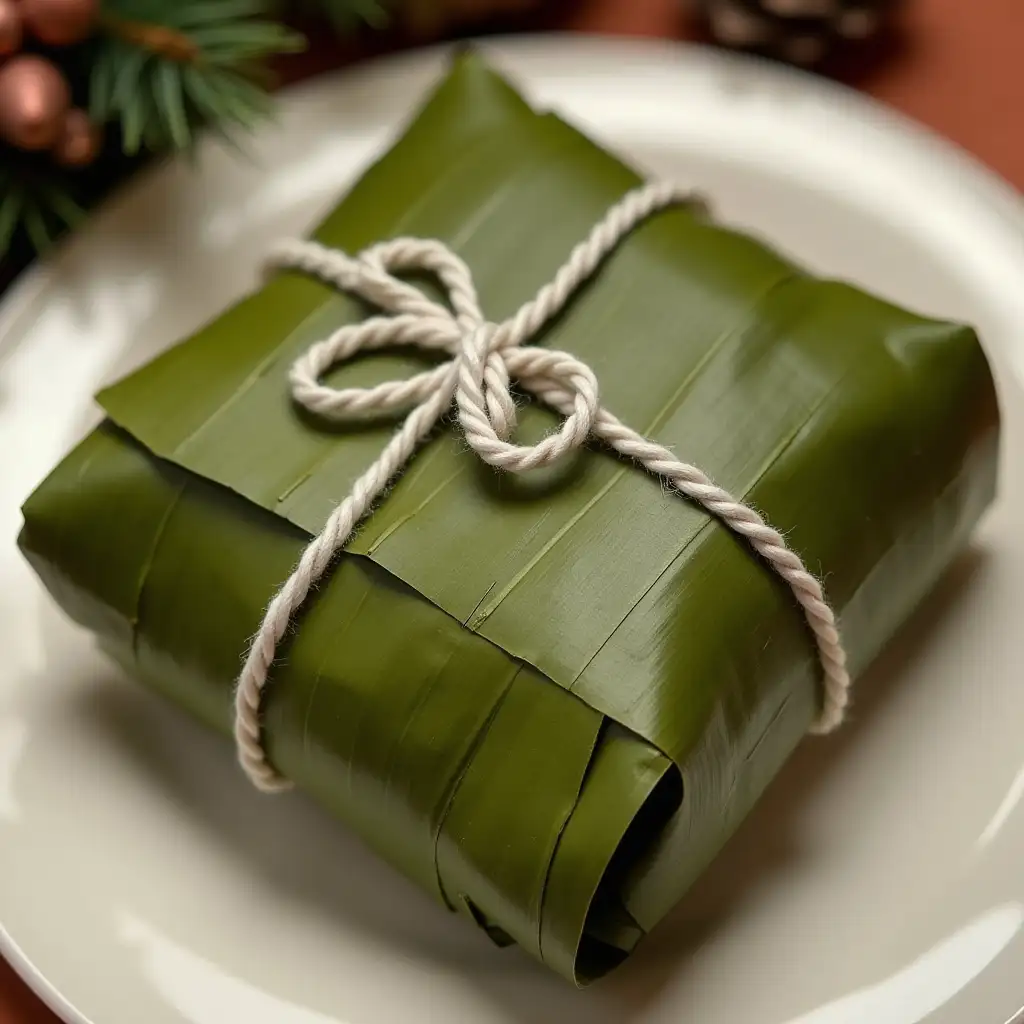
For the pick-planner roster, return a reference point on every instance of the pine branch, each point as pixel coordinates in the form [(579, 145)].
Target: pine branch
[(163, 68), (155, 72)]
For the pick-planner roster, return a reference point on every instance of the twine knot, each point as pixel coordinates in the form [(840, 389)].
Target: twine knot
[(484, 358)]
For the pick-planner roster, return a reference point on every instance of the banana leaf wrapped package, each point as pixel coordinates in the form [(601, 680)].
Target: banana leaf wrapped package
[(548, 698)]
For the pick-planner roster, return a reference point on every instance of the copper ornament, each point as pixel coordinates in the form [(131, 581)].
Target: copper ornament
[(10, 28), (34, 97), (79, 140)]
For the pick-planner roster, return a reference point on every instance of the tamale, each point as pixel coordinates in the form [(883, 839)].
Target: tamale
[(547, 699)]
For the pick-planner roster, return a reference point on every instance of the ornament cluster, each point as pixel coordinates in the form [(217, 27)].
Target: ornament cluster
[(36, 112)]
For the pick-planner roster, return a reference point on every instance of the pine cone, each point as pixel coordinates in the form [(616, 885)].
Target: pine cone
[(799, 31)]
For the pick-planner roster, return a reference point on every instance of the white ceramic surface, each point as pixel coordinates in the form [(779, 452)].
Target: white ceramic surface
[(142, 882)]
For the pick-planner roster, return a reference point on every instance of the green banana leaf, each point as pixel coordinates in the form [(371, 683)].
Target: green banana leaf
[(547, 699)]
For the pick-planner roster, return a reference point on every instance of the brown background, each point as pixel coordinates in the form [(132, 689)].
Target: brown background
[(957, 66)]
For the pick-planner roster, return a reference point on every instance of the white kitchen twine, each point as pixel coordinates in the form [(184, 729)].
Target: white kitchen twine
[(484, 358)]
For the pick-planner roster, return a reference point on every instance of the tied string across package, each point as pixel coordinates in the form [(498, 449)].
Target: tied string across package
[(486, 357), (548, 697)]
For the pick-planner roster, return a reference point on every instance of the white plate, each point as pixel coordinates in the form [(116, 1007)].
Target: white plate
[(142, 882)]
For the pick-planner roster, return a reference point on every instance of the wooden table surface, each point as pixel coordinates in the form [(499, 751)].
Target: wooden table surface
[(959, 69)]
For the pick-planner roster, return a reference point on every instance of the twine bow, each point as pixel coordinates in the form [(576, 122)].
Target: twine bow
[(484, 358)]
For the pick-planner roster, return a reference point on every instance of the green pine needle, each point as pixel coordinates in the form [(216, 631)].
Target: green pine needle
[(161, 96), (10, 218), (39, 207)]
